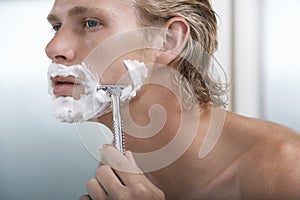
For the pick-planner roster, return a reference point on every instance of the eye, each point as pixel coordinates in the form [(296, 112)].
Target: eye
[(92, 23), (56, 27)]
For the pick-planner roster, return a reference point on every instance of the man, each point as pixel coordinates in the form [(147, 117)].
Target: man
[(200, 151)]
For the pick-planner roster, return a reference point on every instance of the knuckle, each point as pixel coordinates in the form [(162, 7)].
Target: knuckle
[(120, 164), (127, 196), (90, 183), (102, 170), (161, 194), (141, 190)]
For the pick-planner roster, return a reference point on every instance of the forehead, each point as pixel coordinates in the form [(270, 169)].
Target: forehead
[(119, 8), (102, 3)]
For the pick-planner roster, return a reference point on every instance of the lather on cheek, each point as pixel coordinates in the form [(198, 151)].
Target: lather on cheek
[(87, 102)]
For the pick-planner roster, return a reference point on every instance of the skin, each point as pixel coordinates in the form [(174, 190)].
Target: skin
[(252, 159)]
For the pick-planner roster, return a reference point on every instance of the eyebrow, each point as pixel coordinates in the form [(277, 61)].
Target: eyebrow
[(52, 18), (79, 10)]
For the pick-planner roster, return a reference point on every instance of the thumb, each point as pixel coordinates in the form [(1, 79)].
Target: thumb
[(129, 156)]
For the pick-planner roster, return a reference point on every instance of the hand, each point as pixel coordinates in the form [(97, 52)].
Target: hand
[(120, 178)]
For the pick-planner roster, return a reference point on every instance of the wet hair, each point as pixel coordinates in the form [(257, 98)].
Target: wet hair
[(196, 61)]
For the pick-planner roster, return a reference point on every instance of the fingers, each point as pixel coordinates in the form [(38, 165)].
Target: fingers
[(106, 184), (112, 157), (108, 180), (120, 178), (130, 157), (124, 166), (95, 190)]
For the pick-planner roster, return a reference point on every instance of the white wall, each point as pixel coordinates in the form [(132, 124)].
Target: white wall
[(281, 64), (247, 49), (224, 54), (266, 65)]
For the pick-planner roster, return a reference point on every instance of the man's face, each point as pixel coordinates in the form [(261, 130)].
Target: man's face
[(83, 24)]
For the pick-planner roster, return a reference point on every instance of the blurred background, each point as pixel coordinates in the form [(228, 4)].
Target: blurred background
[(41, 158)]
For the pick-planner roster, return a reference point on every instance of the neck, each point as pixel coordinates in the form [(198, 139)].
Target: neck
[(174, 164), (153, 117), (165, 138)]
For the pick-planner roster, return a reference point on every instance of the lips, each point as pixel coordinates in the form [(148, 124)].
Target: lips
[(66, 86)]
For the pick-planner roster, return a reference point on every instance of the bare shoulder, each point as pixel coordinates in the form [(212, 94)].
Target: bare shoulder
[(270, 169)]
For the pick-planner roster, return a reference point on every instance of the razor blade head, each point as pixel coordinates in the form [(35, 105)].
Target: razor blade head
[(112, 89)]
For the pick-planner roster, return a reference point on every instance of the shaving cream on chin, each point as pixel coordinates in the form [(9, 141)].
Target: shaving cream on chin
[(92, 103)]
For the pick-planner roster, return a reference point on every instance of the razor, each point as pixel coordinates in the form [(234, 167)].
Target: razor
[(114, 92)]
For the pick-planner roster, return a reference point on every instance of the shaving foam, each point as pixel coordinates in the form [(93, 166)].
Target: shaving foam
[(92, 103)]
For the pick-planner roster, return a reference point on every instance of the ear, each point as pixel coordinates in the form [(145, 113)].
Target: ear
[(174, 40)]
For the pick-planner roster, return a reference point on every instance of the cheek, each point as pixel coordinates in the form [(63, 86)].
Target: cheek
[(88, 45), (114, 74)]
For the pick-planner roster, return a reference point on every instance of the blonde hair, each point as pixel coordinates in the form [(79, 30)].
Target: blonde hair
[(195, 61)]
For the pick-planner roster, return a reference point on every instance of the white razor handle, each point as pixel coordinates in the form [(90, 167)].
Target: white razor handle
[(114, 91)]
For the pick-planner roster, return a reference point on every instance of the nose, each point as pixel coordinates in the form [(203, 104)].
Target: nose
[(61, 49)]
